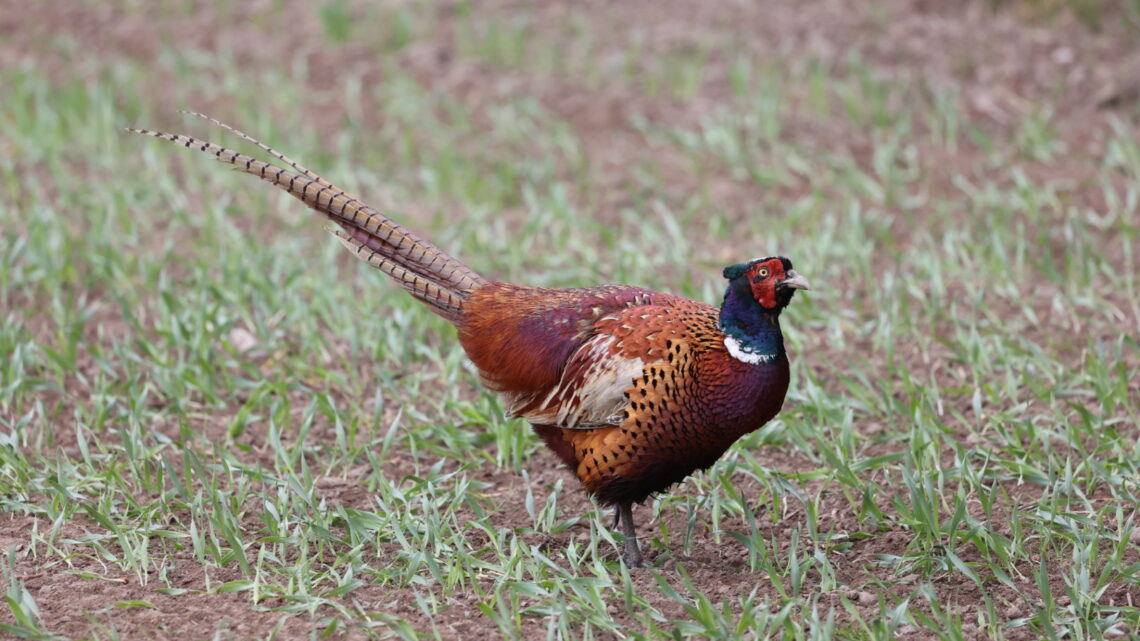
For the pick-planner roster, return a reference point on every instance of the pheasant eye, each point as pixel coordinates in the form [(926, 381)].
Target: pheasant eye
[(763, 273)]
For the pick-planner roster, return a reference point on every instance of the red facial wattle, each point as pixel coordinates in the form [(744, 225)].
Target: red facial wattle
[(763, 278)]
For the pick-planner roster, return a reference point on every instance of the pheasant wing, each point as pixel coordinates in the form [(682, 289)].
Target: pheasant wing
[(631, 363)]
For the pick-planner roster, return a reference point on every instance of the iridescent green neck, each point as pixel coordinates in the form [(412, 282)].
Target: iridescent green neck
[(751, 333)]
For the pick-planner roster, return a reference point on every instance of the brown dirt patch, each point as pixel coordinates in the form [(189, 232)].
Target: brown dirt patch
[(85, 595)]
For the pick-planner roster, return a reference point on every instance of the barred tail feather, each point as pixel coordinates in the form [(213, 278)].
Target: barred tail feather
[(425, 271), (443, 301)]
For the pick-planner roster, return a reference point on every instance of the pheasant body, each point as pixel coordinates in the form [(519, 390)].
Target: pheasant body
[(645, 391), (632, 389)]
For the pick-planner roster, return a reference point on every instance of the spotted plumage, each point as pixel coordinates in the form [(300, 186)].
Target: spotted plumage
[(632, 389)]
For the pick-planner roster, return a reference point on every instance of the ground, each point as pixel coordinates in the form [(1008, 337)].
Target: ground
[(216, 424)]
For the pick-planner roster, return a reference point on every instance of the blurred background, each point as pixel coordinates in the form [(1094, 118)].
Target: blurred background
[(211, 417)]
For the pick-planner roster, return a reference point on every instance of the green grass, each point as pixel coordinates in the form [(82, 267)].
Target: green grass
[(191, 372)]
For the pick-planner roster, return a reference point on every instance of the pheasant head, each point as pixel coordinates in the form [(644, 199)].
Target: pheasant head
[(749, 317)]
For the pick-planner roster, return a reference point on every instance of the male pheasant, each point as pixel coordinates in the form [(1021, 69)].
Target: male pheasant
[(632, 389)]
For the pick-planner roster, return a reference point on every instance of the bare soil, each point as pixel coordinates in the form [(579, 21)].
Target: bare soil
[(1005, 62)]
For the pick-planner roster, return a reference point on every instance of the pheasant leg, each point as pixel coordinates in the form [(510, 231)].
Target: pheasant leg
[(630, 552)]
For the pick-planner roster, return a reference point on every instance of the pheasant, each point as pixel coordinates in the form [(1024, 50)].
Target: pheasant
[(632, 389)]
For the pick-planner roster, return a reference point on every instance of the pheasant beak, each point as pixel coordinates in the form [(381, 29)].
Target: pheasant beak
[(794, 281)]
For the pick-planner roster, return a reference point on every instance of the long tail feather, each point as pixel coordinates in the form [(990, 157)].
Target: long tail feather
[(428, 273)]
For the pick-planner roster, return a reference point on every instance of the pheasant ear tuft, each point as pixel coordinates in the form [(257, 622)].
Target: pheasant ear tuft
[(735, 271)]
